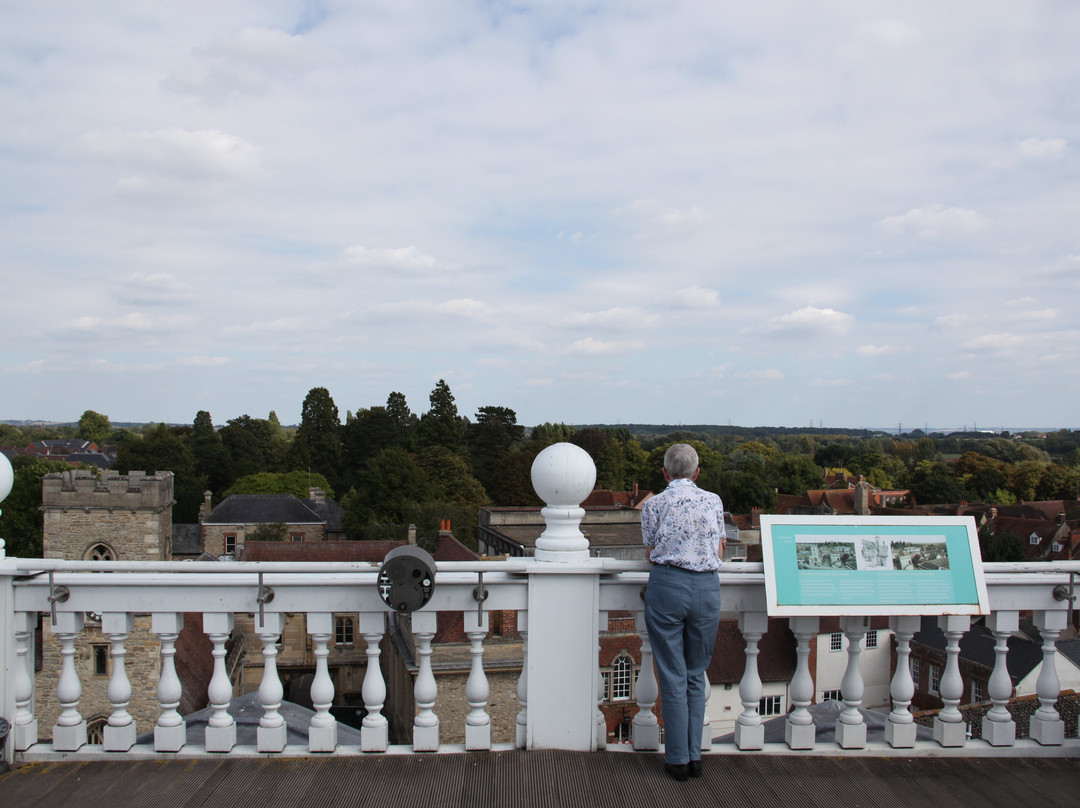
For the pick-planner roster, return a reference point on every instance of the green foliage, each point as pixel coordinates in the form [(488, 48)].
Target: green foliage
[(254, 445), (794, 474), (94, 427), (1003, 545), (933, 482), (21, 519), (161, 449), (317, 444), (390, 483), (449, 477), (296, 483), (208, 451), (269, 531), (441, 425), (491, 438)]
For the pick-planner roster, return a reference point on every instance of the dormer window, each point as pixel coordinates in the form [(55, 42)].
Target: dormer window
[(1034, 538)]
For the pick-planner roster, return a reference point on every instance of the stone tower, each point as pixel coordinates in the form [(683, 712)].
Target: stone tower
[(115, 518)]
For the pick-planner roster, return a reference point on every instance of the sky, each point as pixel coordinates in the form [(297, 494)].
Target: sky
[(847, 214)]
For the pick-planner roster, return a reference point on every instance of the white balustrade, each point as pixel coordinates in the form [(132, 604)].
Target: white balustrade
[(425, 690), (26, 725), (119, 732), (170, 734), (69, 733), (799, 731), (998, 726), (521, 738), (601, 721), (949, 726), (322, 733), (646, 727), (850, 726), (1046, 725), (901, 732), (374, 728), (272, 733), (477, 690), (749, 732), (220, 727)]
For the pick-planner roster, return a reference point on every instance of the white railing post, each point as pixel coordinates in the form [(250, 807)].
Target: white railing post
[(998, 726), (521, 738), (26, 724), (601, 721), (850, 727), (646, 727), (11, 687), (119, 733), (477, 690), (221, 727), (799, 731), (69, 732), (322, 732), (901, 732), (949, 726), (272, 734), (564, 590), (1046, 725), (170, 734), (374, 728), (425, 690), (749, 732)]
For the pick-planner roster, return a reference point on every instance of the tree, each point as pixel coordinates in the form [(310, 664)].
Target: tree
[(211, 458), (21, 519), (404, 419), (253, 444), (160, 449), (441, 425), (94, 427), (269, 531), (297, 483), (794, 474), (450, 478), (932, 482), (1003, 545), (317, 445), (490, 439), (390, 482)]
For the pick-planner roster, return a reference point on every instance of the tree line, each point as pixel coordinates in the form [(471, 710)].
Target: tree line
[(390, 467)]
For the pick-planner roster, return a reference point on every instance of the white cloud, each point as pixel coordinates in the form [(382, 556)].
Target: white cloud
[(995, 343), (810, 322), (618, 317), (764, 374), (869, 38), (463, 307), (956, 320), (459, 307), (204, 361), (409, 259), (653, 220), (141, 288), (935, 221), (1035, 148), (180, 154), (697, 297), (590, 345), (875, 350), (280, 325)]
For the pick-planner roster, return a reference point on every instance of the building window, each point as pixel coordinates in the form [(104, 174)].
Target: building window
[(100, 655), (832, 695), (230, 544), (343, 631), (1034, 538), (916, 670), (871, 638), (978, 693), (770, 705), (296, 537), (95, 730), (100, 552), (836, 641), (622, 678), (935, 680)]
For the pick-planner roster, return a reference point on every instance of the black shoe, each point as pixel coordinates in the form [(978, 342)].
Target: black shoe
[(677, 771), (694, 768)]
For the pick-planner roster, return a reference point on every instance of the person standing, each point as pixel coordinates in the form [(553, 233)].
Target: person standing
[(682, 528)]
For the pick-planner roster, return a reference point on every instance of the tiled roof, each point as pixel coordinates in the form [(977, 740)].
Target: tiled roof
[(977, 645), (253, 509)]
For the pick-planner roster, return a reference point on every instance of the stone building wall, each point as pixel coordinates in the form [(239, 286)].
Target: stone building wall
[(213, 535)]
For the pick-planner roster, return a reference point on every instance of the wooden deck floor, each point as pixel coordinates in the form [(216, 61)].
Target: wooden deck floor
[(545, 778)]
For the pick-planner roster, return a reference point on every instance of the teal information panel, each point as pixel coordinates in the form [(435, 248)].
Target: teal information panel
[(866, 565)]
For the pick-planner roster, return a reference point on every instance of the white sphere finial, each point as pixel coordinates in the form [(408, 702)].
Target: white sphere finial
[(7, 477), (563, 475)]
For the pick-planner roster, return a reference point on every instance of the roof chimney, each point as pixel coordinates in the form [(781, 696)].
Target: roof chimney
[(412, 534), (204, 512)]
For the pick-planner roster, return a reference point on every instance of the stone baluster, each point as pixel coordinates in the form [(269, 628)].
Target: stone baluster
[(119, 732), (646, 732), (998, 726), (850, 727), (425, 690), (69, 733), (949, 726), (26, 725), (477, 690), (522, 737), (221, 727), (901, 732), (799, 731), (749, 732), (323, 730), (272, 734), (170, 734), (1046, 725), (374, 729), (601, 721)]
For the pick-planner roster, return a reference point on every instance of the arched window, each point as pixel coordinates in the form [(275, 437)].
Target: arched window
[(95, 729), (622, 678), (100, 552)]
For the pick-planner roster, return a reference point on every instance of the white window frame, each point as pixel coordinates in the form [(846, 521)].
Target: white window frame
[(872, 638), (835, 695), (836, 641), (344, 632), (622, 678), (771, 705), (916, 670), (933, 686), (978, 691)]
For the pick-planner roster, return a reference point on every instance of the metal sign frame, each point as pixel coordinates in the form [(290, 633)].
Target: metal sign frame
[(872, 565)]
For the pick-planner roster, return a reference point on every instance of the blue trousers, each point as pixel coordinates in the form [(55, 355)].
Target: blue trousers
[(682, 613)]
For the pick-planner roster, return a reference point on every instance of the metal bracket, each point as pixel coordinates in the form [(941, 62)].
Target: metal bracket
[(1062, 592), (480, 594), (266, 595), (57, 594)]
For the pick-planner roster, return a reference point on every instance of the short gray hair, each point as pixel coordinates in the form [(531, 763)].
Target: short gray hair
[(681, 460)]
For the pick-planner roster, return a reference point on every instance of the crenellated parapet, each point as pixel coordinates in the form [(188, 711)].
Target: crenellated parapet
[(84, 489)]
